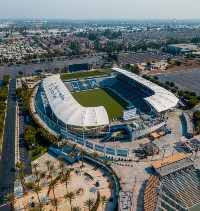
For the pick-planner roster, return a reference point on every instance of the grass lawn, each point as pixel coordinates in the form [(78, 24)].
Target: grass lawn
[(82, 75), (113, 103)]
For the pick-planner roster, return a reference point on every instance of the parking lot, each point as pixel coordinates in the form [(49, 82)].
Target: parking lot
[(143, 57), (30, 69), (185, 80)]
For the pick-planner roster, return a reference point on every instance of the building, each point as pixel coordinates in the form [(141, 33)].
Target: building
[(181, 48)]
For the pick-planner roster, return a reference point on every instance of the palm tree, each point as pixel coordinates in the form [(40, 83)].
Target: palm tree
[(82, 153), (35, 165), (71, 155), (21, 178), (48, 163), (103, 201), (11, 199), (55, 203), (111, 186), (61, 166), (95, 157), (66, 179), (52, 186), (76, 209), (37, 175), (89, 203), (21, 168), (51, 168), (37, 189), (70, 196)]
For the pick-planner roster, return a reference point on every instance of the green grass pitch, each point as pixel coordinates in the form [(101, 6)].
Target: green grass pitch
[(113, 103)]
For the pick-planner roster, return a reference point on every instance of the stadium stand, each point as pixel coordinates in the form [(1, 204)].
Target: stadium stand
[(81, 85), (131, 95), (106, 82), (130, 114), (150, 193), (181, 190), (179, 184)]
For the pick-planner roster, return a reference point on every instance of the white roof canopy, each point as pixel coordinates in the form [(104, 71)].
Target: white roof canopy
[(68, 110), (161, 100)]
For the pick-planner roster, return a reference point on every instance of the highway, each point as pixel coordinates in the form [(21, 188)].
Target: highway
[(7, 163)]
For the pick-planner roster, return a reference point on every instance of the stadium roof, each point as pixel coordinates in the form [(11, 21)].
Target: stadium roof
[(161, 100), (68, 110), (169, 160)]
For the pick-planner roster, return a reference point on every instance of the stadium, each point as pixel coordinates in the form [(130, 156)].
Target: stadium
[(96, 110)]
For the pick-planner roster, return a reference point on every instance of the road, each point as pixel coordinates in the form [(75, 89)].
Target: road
[(30, 69), (7, 163)]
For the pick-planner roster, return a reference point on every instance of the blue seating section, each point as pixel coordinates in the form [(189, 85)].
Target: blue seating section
[(84, 85), (132, 95)]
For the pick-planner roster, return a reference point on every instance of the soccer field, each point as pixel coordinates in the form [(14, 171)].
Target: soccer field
[(113, 103)]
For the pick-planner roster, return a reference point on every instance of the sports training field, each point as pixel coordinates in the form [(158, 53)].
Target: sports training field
[(113, 104)]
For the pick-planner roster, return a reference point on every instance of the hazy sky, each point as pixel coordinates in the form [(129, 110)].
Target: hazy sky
[(100, 9)]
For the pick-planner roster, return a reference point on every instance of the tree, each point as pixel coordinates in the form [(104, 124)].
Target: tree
[(192, 103), (37, 189), (20, 73), (168, 60), (155, 77), (82, 153), (21, 178), (55, 203), (135, 69), (10, 198), (52, 186), (48, 163), (66, 179), (70, 196), (76, 208), (196, 115), (178, 63), (61, 164), (197, 127), (35, 166), (95, 157), (71, 155), (103, 200), (37, 175), (29, 134), (89, 203), (111, 186), (148, 63)]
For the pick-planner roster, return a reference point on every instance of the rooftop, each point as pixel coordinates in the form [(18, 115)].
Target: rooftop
[(68, 110), (169, 160)]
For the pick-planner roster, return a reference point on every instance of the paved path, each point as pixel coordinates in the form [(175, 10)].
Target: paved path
[(7, 173)]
